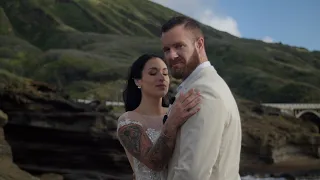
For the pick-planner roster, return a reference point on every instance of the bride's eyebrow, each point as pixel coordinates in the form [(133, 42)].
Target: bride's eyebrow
[(155, 68)]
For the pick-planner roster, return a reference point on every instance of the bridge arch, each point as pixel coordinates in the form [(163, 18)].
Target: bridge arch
[(311, 116), (308, 111)]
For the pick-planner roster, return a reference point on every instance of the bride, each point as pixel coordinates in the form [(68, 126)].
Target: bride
[(147, 141)]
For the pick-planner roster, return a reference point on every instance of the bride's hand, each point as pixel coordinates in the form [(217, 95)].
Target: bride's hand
[(184, 107)]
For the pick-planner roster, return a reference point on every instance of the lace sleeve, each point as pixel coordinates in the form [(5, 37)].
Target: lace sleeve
[(125, 120)]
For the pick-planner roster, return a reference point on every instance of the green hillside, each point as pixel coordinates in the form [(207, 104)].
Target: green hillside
[(86, 47)]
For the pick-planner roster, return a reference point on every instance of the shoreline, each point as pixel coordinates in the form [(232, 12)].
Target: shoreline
[(292, 170)]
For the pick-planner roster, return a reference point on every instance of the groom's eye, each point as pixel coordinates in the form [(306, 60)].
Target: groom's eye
[(178, 45), (165, 49)]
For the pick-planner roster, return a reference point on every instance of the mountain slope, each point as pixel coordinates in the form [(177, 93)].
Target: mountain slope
[(87, 46)]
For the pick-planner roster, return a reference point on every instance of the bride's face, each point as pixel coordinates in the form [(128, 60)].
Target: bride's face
[(155, 79)]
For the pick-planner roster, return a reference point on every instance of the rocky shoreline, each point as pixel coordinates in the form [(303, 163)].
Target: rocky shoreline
[(45, 135)]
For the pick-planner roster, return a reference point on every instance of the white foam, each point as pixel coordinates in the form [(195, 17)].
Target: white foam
[(260, 178)]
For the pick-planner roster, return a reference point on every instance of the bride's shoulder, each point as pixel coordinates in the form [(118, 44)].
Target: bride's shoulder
[(128, 117), (124, 115)]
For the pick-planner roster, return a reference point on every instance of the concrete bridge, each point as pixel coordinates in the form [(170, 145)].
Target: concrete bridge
[(293, 109), (296, 110), (107, 103)]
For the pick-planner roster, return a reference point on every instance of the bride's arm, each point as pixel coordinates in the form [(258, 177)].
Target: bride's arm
[(131, 162), (156, 156), (136, 141)]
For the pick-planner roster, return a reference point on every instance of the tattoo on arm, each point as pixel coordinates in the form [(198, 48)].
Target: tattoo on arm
[(137, 142), (162, 150)]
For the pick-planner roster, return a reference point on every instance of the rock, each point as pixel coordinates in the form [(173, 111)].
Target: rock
[(8, 170), (61, 136), (274, 144), (78, 141), (51, 176), (3, 118), (5, 25), (5, 150)]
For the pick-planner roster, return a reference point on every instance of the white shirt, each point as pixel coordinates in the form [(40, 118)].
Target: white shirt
[(194, 73)]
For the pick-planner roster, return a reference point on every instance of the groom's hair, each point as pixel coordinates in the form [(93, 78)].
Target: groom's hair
[(188, 23)]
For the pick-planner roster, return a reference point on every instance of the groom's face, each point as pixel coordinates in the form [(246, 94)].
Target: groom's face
[(180, 52)]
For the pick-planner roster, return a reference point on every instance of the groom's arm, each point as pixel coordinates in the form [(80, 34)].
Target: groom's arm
[(200, 140)]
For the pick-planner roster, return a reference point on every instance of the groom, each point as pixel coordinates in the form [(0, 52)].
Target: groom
[(208, 144)]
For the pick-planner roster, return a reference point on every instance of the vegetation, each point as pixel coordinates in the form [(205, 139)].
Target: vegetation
[(86, 47)]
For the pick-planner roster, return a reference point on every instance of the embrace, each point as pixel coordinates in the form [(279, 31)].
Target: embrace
[(199, 136)]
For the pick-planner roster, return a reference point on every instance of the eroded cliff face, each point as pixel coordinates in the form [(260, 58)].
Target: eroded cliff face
[(49, 133), (54, 138), (278, 144), (9, 170)]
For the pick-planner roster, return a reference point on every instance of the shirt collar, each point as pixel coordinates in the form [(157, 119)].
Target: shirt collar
[(195, 72)]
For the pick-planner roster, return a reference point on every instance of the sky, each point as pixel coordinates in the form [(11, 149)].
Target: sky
[(292, 22)]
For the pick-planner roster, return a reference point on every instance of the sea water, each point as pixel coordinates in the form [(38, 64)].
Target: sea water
[(260, 178), (273, 178)]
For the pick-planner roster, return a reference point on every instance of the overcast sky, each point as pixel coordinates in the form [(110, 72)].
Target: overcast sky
[(293, 22)]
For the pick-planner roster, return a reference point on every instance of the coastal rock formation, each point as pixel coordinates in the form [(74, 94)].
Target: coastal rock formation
[(8, 170), (49, 133), (88, 52), (278, 144)]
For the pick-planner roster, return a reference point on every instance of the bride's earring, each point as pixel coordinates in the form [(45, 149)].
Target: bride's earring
[(136, 82)]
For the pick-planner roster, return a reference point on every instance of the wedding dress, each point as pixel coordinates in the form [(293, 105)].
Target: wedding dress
[(152, 126)]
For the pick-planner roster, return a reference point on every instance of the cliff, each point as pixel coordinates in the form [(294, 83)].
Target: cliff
[(279, 145), (9, 170), (86, 47), (49, 133)]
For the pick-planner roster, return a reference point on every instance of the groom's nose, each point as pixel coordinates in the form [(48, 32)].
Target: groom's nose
[(172, 55)]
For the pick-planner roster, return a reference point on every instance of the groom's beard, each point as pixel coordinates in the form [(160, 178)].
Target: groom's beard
[(184, 72)]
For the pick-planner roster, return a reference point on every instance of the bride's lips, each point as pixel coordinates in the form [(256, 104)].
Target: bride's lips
[(161, 86)]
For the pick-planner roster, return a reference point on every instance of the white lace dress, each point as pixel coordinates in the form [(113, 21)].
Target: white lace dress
[(152, 126)]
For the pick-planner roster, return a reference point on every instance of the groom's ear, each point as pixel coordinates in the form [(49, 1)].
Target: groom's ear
[(200, 43)]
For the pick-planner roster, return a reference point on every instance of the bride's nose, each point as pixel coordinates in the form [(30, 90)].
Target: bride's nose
[(161, 77)]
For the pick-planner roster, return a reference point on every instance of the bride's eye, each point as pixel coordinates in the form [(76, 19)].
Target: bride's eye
[(165, 73), (153, 72)]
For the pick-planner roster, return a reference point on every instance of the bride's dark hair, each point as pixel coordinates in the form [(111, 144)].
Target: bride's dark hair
[(132, 94)]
